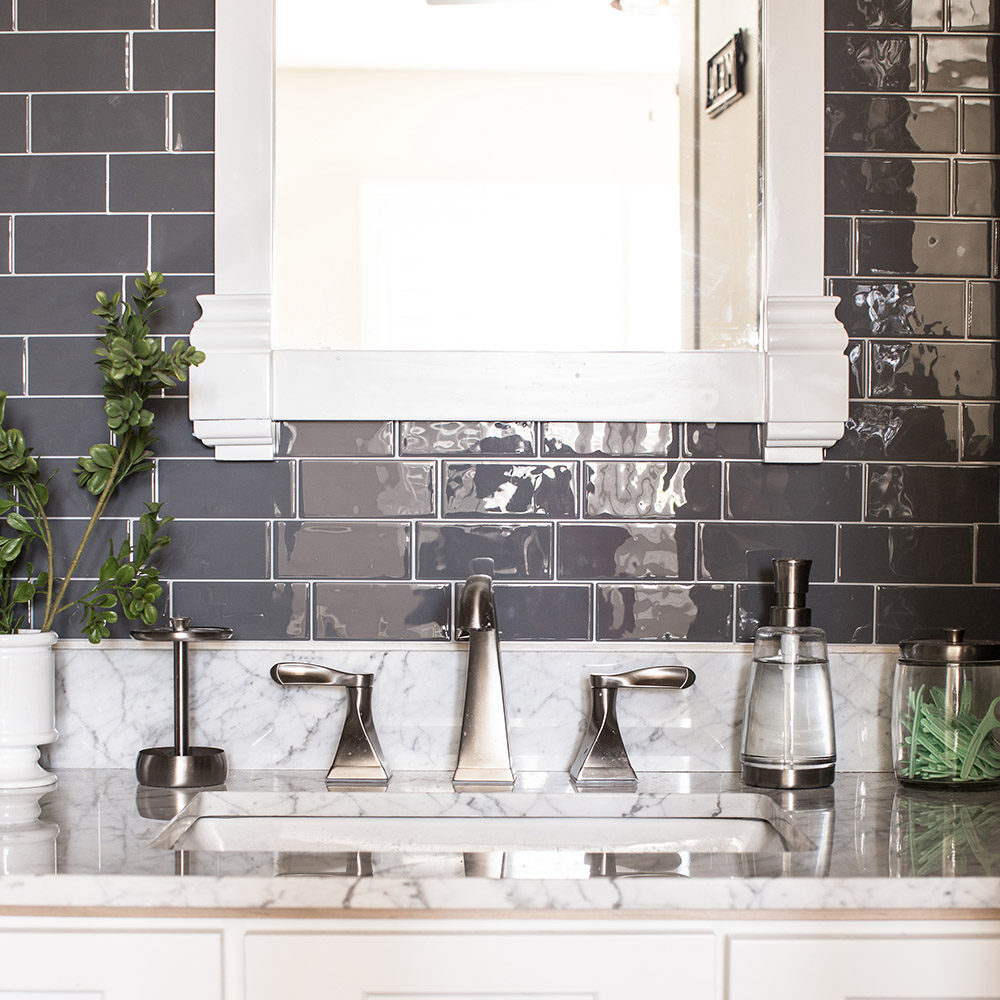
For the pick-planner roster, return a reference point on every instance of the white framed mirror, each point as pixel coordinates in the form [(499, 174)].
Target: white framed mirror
[(793, 381)]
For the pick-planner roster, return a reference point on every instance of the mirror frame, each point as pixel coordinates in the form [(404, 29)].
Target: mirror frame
[(796, 385)]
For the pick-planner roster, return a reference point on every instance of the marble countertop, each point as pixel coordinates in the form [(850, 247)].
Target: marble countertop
[(97, 840)]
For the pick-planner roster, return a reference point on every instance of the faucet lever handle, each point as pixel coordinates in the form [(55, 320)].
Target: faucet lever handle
[(295, 672), (646, 677)]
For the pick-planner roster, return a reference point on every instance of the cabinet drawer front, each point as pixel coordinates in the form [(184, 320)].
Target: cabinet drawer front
[(844, 968), (494, 966), (107, 965)]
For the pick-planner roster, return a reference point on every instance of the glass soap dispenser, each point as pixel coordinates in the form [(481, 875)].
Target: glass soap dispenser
[(788, 733)]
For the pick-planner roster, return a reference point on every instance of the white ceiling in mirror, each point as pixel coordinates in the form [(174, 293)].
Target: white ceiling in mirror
[(796, 385)]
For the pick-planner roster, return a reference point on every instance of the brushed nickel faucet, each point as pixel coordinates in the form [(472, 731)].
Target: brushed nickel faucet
[(484, 747)]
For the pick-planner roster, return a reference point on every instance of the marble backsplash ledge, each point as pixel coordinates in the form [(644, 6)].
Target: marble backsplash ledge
[(112, 702)]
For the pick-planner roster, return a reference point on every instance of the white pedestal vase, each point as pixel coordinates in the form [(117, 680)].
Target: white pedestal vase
[(27, 707)]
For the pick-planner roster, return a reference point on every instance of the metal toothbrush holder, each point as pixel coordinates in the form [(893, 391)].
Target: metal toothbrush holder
[(182, 765)]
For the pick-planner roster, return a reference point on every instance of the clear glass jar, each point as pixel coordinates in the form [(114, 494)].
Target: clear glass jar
[(945, 719)]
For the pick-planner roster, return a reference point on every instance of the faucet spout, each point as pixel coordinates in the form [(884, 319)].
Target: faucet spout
[(484, 747)]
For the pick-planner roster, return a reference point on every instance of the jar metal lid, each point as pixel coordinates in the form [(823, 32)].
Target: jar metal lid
[(950, 647)]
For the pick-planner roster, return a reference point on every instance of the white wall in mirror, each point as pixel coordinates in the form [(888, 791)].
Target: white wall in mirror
[(796, 384)]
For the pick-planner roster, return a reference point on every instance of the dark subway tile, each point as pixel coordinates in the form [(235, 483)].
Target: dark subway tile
[(161, 182), (897, 186), (68, 499), (838, 247), (845, 613), (62, 62), (899, 246), (199, 489), (382, 611), (98, 122), (63, 366), (743, 552), (970, 15), (173, 60), (961, 62), (518, 551), (367, 489), (63, 427), (543, 612), (976, 188), (980, 124), (540, 489), (216, 550), (186, 14), (903, 553), (722, 440), (901, 308), (612, 438), (68, 623), (626, 551), (890, 123), (846, 15), (253, 610), (980, 432), (12, 365), (13, 123), (899, 432), (906, 612), (988, 555), (696, 613), (927, 493), (945, 369), (653, 489), (856, 370), (334, 438), (175, 430), (80, 243), (458, 437), (872, 62), (342, 550), (824, 492), (182, 243), (52, 184), (82, 15), (192, 122), (984, 308), (180, 307), (66, 536)]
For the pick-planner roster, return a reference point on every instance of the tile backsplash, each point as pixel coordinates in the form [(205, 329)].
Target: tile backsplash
[(600, 532)]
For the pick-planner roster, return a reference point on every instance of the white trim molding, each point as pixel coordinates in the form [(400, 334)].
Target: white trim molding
[(796, 386)]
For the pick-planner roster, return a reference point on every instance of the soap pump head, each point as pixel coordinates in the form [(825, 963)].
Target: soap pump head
[(791, 582)]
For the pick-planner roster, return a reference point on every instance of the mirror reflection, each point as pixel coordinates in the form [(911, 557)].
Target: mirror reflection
[(513, 176)]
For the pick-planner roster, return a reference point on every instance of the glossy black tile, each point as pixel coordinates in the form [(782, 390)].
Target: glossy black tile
[(945, 369), (334, 438), (59, 427), (198, 489), (175, 430), (66, 536), (12, 365), (970, 15), (856, 369), (838, 254), (960, 63), (988, 555), (612, 438), (897, 186), (217, 550), (901, 432), (457, 437), (382, 611), (980, 432), (843, 15), (86, 15), (366, 489), (890, 123), (182, 243), (63, 366), (173, 60), (695, 613), (980, 124), (60, 63), (743, 552), (936, 248), (540, 489), (901, 308), (864, 62), (548, 613), (342, 550), (845, 612), (826, 492), (185, 14), (977, 191), (68, 499), (13, 123), (97, 122), (875, 553), (161, 182), (518, 551), (933, 494), (192, 122), (68, 623), (905, 612), (253, 610), (984, 309), (626, 551), (653, 489), (722, 441), (88, 244), (52, 184)]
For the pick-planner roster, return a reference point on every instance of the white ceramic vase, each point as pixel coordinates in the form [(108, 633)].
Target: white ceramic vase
[(27, 706)]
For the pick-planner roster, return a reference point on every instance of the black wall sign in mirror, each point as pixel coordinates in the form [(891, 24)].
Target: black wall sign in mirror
[(725, 76)]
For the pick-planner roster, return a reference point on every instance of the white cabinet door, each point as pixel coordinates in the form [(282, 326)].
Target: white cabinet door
[(483, 966), (107, 965), (872, 968)]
